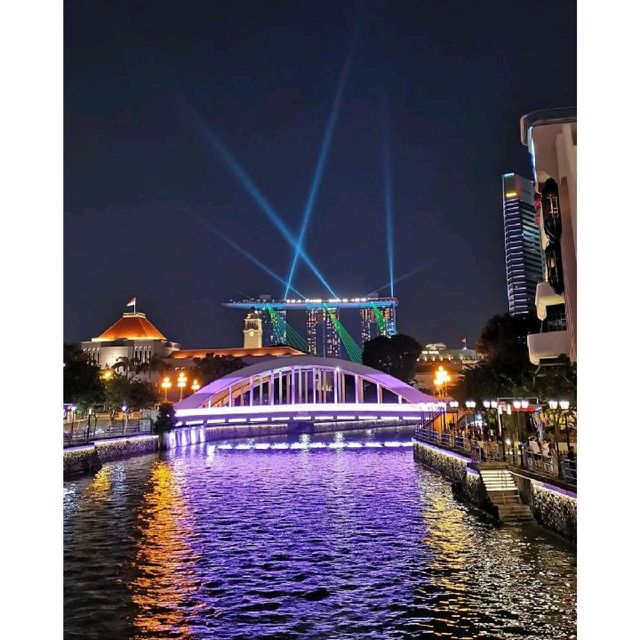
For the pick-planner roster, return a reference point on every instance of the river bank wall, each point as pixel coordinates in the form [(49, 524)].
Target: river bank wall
[(87, 460), (553, 505)]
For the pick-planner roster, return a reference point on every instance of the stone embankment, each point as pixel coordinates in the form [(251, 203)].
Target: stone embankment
[(87, 460), (552, 504)]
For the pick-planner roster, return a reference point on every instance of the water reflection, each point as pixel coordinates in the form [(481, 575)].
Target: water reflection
[(166, 587), (302, 542)]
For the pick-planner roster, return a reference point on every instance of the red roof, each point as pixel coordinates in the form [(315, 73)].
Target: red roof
[(132, 326), (237, 352)]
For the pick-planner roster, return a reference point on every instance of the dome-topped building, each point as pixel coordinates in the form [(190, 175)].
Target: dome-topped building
[(136, 338), (132, 336), (132, 326)]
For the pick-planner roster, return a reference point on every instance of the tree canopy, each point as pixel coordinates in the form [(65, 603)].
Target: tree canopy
[(396, 355), (507, 370), (212, 367), (81, 378)]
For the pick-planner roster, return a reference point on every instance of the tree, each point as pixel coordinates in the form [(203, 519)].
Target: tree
[(396, 355), (507, 370), (155, 363), (212, 367), (135, 394), (127, 365), (81, 378), (166, 417)]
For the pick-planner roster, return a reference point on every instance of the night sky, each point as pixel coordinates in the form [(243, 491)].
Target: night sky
[(456, 78)]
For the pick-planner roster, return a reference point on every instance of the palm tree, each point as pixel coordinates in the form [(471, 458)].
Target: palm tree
[(129, 366)]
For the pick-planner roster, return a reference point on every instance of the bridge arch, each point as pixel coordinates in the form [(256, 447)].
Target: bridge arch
[(304, 380)]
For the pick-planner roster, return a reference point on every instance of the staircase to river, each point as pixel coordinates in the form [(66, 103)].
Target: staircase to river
[(504, 495)]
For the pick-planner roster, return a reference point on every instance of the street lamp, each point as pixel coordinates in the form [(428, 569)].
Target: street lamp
[(124, 410), (454, 404), (195, 386), (166, 385), (182, 383), (441, 379)]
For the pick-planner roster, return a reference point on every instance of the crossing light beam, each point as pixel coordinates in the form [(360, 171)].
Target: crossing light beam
[(252, 189), (237, 247), (317, 177)]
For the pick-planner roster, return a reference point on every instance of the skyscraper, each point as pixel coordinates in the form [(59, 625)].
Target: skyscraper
[(523, 253)]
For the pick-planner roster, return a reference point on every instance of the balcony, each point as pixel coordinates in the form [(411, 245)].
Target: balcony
[(546, 297), (547, 346)]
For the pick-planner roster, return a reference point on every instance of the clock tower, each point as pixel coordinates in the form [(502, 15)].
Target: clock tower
[(252, 331)]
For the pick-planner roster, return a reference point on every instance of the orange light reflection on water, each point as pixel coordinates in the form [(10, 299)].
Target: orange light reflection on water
[(166, 586)]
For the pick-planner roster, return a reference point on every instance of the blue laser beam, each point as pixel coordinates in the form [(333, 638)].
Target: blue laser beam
[(259, 198), (388, 191), (402, 277), (322, 158), (237, 247)]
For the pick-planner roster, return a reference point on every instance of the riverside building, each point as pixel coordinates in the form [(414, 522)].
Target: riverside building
[(551, 137)]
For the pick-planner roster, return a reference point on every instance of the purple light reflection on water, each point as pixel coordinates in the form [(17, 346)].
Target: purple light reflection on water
[(301, 543)]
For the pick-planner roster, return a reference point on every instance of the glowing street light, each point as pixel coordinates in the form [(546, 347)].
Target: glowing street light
[(182, 383), (166, 385), (441, 379), (195, 386), (470, 404), (107, 374), (564, 404), (553, 404)]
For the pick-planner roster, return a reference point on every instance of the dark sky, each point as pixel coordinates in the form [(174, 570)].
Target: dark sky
[(457, 77)]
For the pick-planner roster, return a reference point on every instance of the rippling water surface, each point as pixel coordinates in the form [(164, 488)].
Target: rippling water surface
[(337, 543)]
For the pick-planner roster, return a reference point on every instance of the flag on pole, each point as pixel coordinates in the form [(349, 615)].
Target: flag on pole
[(131, 303)]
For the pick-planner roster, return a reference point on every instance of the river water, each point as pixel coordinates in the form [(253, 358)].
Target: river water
[(340, 541)]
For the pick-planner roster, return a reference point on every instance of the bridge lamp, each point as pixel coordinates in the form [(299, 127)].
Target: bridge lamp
[(166, 385), (494, 404), (195, 386), (454, 404), (486, 404), (470, 404), (182, 383), (564, 404), (553, 404), (524, 404), (517, 404)]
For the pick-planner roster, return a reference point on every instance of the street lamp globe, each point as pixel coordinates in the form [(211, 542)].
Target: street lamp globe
[(553, 404), (486, 404), (470, 404), (517, 404), (454, 404), (494, 404), (524, 404), (564, 404)]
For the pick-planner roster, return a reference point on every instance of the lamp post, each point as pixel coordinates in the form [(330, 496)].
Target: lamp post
[(194, 385), (166, 385), (182, 383), (564, 406), (454, 404), (441, 379), (126, 417), (471, 405)]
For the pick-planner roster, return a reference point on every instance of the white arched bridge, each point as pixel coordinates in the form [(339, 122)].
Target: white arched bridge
[(305, 389)]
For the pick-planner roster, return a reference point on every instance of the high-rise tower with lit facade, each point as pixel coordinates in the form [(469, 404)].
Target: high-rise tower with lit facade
[(523, 254)]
